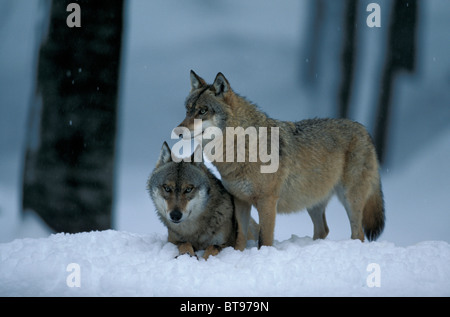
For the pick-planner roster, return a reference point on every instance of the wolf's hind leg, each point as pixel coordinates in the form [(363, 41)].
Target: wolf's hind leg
[(317, 214), (352, 199)]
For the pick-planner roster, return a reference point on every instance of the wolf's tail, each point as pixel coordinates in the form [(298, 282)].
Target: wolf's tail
[(373, 215)]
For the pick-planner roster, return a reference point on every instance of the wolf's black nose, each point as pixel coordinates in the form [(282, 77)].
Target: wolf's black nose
[(176, 215)]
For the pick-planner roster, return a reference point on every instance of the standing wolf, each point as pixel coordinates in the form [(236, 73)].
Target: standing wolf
[(317, 158), (196, 209)]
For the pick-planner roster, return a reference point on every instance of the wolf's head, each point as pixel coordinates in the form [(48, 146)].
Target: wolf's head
[(179, 190), (208, 103)]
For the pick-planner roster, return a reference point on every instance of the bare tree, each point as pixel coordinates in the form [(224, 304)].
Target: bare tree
[(400, 54), (348, 57), (69, 167)]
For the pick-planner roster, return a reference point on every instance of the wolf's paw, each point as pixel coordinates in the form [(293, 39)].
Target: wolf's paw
[(185, 248), (191, 255), (212, 250)]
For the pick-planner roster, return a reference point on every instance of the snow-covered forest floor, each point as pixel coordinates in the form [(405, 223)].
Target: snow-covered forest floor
[(112, 263)]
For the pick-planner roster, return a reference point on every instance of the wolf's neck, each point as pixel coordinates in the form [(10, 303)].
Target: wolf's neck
[(245, 114)]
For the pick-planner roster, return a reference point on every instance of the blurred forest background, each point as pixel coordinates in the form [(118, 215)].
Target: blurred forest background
[(84, 110)]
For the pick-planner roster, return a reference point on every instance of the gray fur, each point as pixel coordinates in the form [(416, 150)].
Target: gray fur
[(208, 210)]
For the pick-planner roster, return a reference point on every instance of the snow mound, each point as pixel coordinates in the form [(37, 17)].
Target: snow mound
[(112, 263)]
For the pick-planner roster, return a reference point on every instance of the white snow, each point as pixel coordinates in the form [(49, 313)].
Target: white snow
[(112, 263)]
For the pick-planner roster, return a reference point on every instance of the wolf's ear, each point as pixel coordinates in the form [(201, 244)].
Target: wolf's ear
[(221, 84), (165, 155), (196, 81), (197, 157)]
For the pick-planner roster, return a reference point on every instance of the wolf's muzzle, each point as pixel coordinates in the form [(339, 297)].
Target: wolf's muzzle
[(176, 215)]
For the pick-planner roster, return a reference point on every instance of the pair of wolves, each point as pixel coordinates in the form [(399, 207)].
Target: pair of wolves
[(317, 159)]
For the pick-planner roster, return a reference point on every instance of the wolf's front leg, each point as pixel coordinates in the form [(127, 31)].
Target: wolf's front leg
[(267, 210), (185, 248), (242, 213), (212, 250)]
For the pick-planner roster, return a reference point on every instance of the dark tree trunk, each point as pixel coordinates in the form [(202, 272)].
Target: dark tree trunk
[(400, 54), (68, 174), (311, 54), (348, 57)]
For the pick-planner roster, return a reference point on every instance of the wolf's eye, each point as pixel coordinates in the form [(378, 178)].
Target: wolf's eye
[(202, 111), (167, 188), (188, 189)]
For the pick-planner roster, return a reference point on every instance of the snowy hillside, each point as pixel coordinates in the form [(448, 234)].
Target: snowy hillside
[(112, 263)]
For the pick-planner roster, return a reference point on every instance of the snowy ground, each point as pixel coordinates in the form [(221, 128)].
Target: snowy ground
[(112, 263), (259, 53)]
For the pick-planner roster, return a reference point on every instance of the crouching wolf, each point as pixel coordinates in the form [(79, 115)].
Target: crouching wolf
[(317, 159), (193, 204)]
